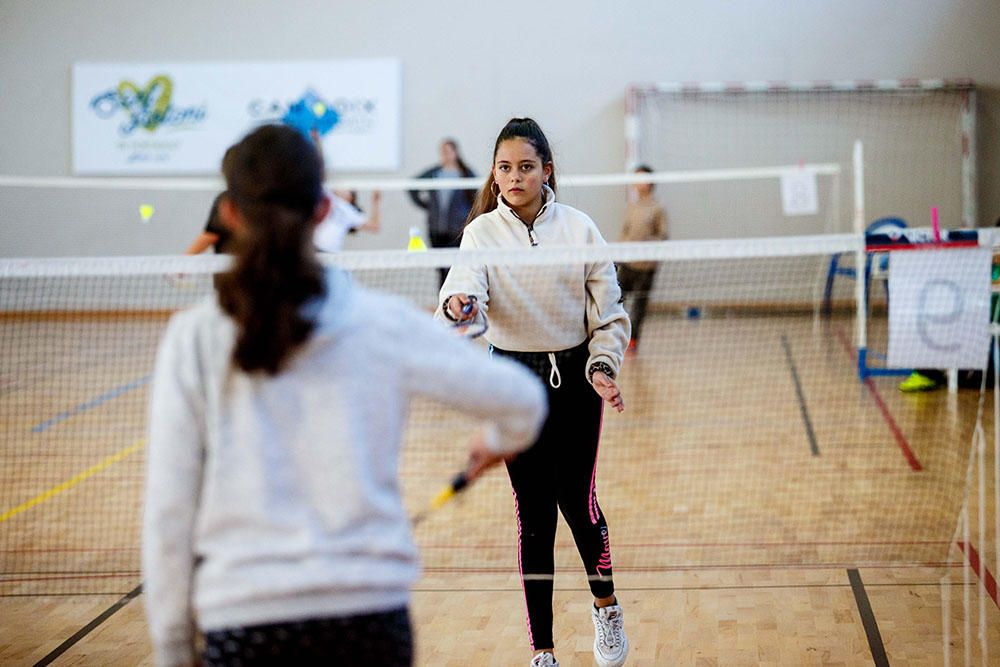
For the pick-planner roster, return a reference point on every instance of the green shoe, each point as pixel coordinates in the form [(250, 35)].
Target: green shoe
[(918, 382)]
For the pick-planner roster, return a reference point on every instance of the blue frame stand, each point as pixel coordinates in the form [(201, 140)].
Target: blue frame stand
[(865, 371)]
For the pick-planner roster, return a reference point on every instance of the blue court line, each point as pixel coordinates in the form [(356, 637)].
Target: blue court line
[(89, 405)]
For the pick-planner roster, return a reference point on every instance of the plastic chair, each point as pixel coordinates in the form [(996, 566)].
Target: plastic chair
[(880, 226)]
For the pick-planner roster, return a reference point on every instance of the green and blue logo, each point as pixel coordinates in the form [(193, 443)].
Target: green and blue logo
[(148, 108)]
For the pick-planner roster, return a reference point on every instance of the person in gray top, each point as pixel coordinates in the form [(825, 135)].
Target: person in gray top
[(274, 522), (447, 210)]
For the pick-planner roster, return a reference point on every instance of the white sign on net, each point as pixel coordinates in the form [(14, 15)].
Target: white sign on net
[(798, 193), (939, 308), (164, 118)]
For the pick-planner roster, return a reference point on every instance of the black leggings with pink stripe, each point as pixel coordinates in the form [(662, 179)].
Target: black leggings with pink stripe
[(559, 471)]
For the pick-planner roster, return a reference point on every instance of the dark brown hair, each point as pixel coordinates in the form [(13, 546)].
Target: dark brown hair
[(516, 128), (646, 169), (213, 213), (274, 176)]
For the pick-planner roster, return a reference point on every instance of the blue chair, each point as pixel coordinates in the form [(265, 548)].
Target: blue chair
[(880, 226)]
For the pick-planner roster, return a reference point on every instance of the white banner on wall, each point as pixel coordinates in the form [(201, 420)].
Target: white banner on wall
[(939, 308), (180, 118)]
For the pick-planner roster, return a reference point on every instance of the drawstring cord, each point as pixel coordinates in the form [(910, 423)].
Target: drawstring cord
[(555, 379)]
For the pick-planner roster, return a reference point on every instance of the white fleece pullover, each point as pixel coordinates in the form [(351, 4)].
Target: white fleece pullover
[(544, 308), (271, 499)]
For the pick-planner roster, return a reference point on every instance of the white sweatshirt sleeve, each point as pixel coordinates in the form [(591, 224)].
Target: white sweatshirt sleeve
[(447, 369), (174, 458), (608, 325), (466, 279)]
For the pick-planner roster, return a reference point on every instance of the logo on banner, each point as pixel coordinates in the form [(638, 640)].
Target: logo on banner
[(344, 115), (148, 108), (310, 113), (179, 117)]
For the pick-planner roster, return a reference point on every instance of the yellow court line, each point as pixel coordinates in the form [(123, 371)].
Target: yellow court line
[(89, 472)]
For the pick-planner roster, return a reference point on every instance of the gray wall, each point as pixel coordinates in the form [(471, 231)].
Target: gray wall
[(468, 66)]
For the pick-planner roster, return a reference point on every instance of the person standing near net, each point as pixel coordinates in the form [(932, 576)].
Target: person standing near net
[(273, 513), (345, 218), (568, 326), (447, 210), (645, 220), (215, 235)]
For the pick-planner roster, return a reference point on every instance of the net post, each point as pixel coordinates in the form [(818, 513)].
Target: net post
[(995, 351), (981, 530), (838, 224), (969, 211), (966, 583), (860, 258)]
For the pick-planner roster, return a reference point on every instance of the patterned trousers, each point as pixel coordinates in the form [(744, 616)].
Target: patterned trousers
[(369, 639)]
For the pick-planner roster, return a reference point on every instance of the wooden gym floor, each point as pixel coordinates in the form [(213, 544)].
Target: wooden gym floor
[(765, 508)]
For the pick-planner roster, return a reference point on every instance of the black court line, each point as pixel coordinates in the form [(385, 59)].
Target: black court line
[(802, 397), (868, 619), (87, 629)]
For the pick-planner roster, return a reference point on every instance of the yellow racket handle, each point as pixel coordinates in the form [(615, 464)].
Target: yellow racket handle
[(442, 497), (447, 493)]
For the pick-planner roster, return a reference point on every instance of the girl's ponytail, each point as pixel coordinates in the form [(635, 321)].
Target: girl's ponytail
[(274, 179)]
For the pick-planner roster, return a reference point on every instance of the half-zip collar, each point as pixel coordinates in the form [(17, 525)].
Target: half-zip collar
[(544, 213)]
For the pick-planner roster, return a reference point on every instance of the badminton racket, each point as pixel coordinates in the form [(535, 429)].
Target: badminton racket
[(457, 485)]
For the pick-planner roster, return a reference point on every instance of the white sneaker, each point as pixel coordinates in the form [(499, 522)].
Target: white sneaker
[(544, 660), (610, 642)]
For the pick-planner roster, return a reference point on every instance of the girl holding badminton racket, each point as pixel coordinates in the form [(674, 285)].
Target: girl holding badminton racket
[(569, 327), (273, 514)]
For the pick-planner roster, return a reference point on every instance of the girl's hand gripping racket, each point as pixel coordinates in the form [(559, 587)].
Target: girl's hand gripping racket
[(475, 326), (481, 458)]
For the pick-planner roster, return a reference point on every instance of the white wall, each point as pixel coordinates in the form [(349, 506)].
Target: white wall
[(468, 66)]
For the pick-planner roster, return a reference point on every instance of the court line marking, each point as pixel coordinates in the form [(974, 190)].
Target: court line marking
[(507, 571), (62, 595), (71, 549), (73, 481), (985, 576), (700, 545), (813, 446), (897, 432), (708, 588), (87, 629), (517, 589), (91, 404), (43, 576), (697, 568), (868, 619)]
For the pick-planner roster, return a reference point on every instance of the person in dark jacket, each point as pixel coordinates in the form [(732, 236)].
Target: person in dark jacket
[(447, 210)]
